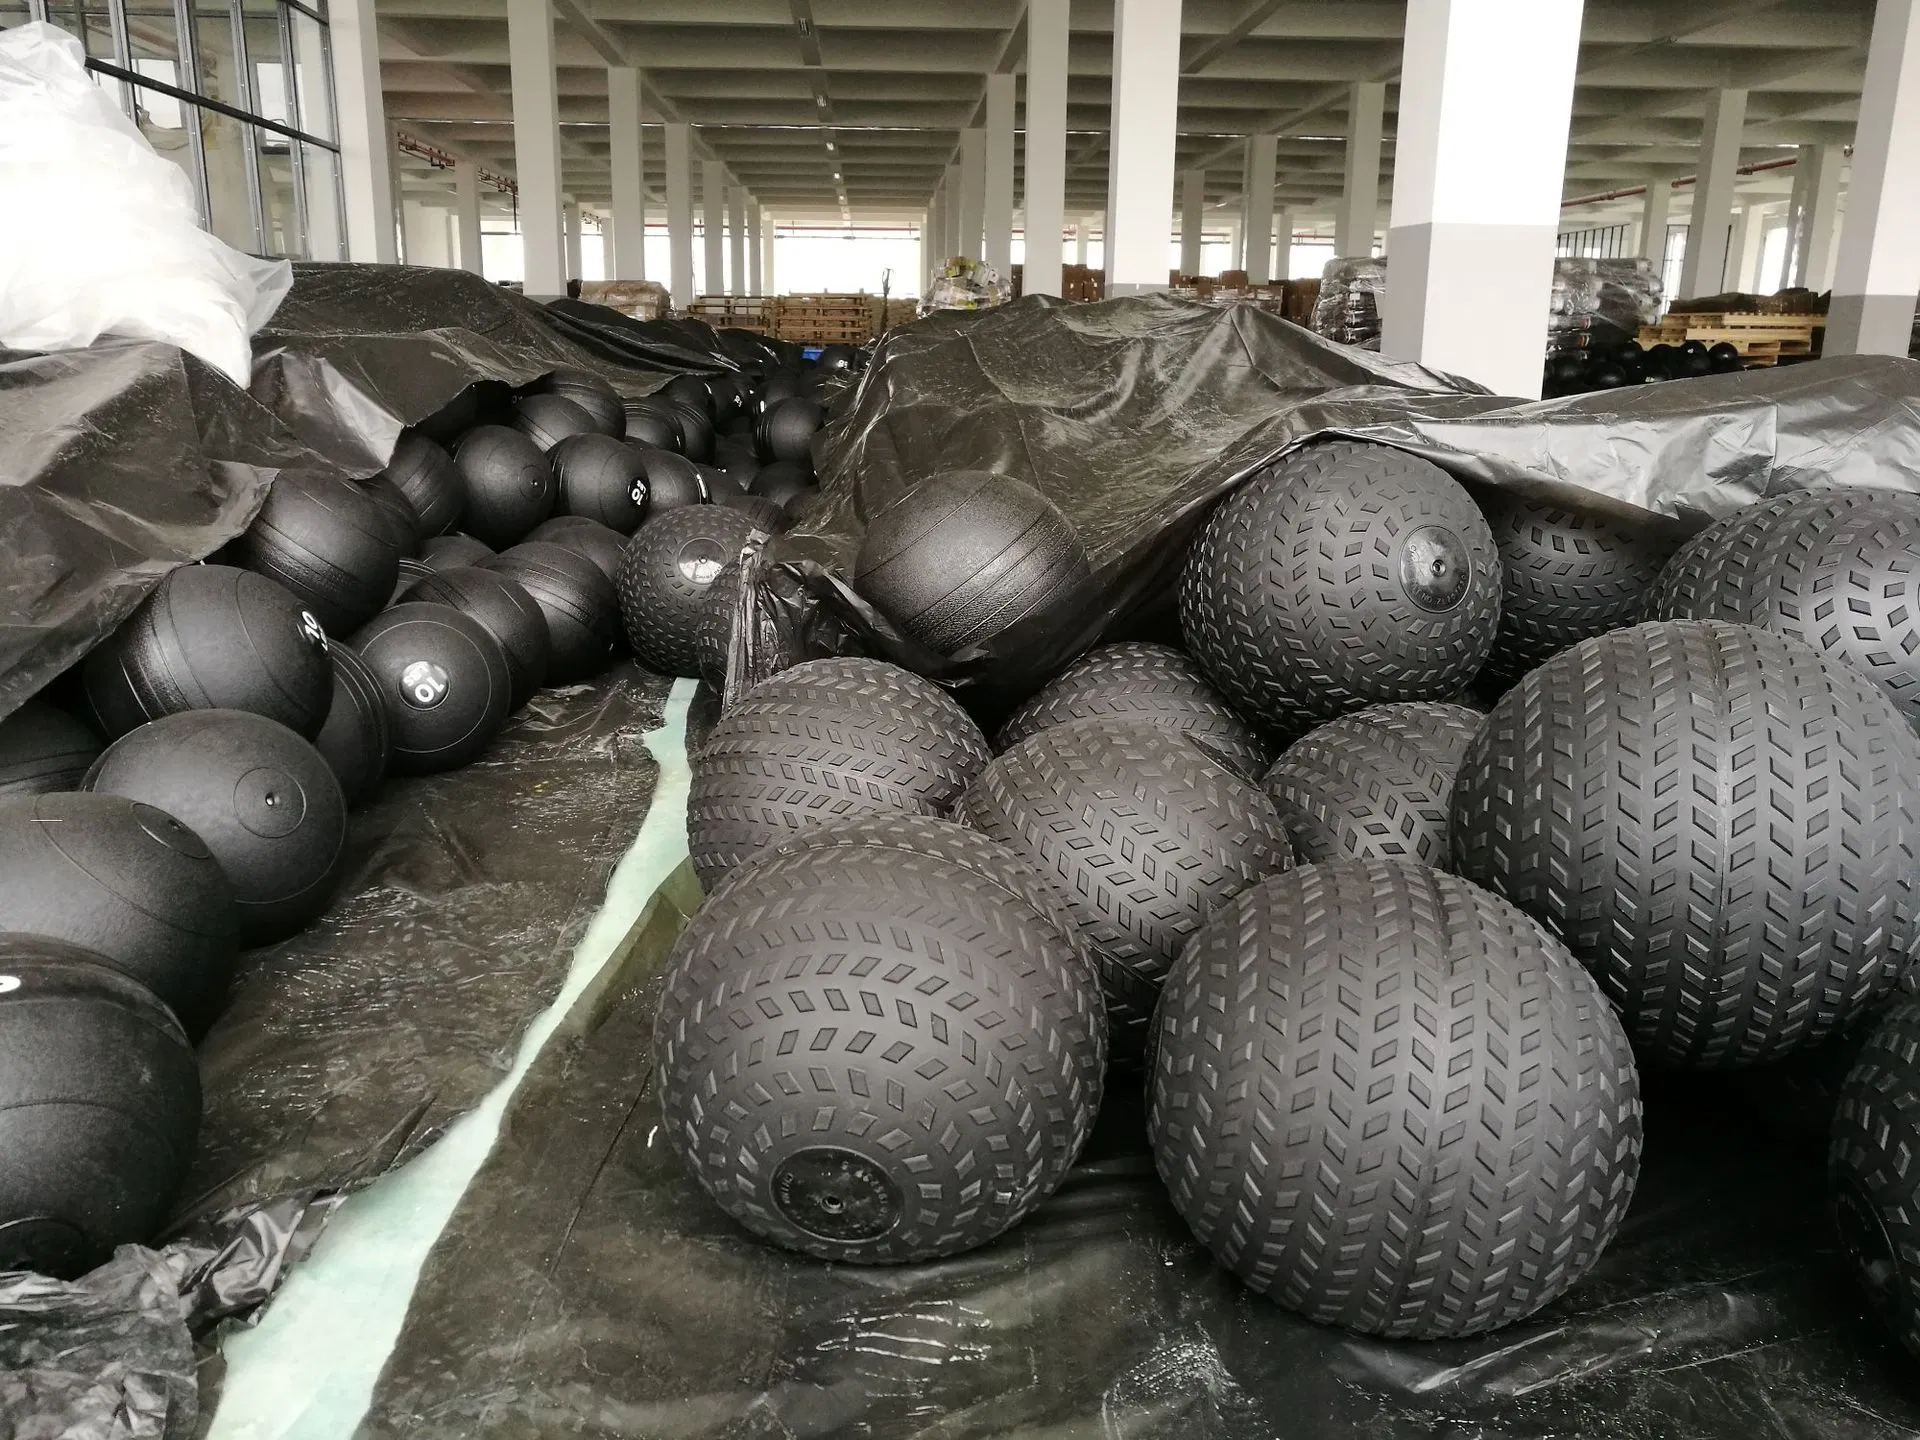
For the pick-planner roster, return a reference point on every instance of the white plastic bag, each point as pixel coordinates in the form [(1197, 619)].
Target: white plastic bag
[(101, 235)]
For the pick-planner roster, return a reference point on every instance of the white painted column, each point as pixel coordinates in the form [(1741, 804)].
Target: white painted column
[(1193, 205), (1743, 254), (1359, 213), (1820, 224), (1146, 100), (767, 252), (1082, 228), (1654, 211), (1469, 68), (996, 211), (737, 240), (1044, 188), (679, 147), (950, 240), (627, 254), (536, 145), (756, 248), (1877, 274), (426, 234), (1257, 220), (935, 235), (1709, 230), (366, 160), (973, 195), (1282, 245), (570, 210), (713, 211), (466, 180)]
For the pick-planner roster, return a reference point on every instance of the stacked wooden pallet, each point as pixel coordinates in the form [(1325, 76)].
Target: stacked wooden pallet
[(1760, 339), (735, 312), (894, 312), (824, 319)]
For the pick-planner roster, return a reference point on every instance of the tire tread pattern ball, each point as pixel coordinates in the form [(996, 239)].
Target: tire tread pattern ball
[(1391, 1102), (1870, 1162), (963, 1079), (667, 579)]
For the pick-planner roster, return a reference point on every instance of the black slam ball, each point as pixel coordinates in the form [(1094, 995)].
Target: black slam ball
[(450, 552), (397, 514), (43, 749), (786, 430), (425, 473), (99, 1109), (355, 742), (788, 483), (671, 481), (328, 543), (590, 538), (962, 556), (212, 638), (260, 797), (115, 876), (1875, 1184), (444, 680), (696, 430), (505, 611), (601, 478), (690, 391), (546, 420), (666, 582), (509, 484), (653, 423), (592, 394), (582, 606)]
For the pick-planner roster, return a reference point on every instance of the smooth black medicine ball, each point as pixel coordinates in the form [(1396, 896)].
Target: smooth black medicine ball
[(509, 484), (329, 544), (424, 473), (672, 481), (787, 483), (113, 875), (356, 742), (692, 391), (666, 582), (586, 537), (725, 399), (838, 357), (450, 552), (962, 556), (786, 431), (1692, 359), (653, 423), (546, 420), (412, 572), (1724, 357), (696, 431), (765, 514), (507, 612), (581, 605), (460, 414), (592, 394), (260, 797), (211, 638), (601, 478), (781, 385), (1660, 361), (43, 749), (445, 682), (99, 1108), (397, 513)]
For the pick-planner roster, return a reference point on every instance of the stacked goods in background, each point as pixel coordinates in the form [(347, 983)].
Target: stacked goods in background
[(640, 299), (824, 319), (1599, 303), (1347, 307), (735, 312), (889, 313), (1762, 339)]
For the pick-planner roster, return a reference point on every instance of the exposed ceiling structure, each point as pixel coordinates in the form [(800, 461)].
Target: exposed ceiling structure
[(767, 83)]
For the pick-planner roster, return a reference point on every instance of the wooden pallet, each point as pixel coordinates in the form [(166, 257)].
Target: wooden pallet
[(827, 319), (1760, 339)]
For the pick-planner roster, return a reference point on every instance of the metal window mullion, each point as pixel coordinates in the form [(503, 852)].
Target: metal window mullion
[(186, 26), (296, 152), (249, 140), (333, 123)]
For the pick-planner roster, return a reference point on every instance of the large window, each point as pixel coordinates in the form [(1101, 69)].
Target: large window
[(238, 94)]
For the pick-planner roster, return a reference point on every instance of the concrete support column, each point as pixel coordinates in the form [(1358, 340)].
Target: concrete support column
[(1282, 245), (536, 145), (627, 256), (737, 240), (996, 210), (1450, 228), (570, 209), (1359, 213), (713, 210), (1081, 230), (1709, 230), (973, 195), (1877, 274), (1044, 194), (1193, 208), (950, 238), (466, 181), (1819, 224), (1743, 253), (934, 236), (1653, 219), (679, 147), (366, 159), (1257, 216), (756, 257), (767, 277), (1146, 98), (426, 234)]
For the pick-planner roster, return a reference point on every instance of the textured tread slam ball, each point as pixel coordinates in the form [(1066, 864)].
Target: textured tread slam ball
[(505, 611), (43, 749), (593, 395), (1139, 681), (1566, 577), (509, 484), (963, 556), (587, 538), (1716, 821), (356, 742), (327, 543), (1391, 1102), (425, 473), (1714, 565), (582, 606), (1343, 575), (546, 420), (785, 431), (126, 880), (825, 741), (1142, 832), (444, 680), (1376, 784), (666, 582), (958, 1100), (1875, 1185), (259, 796), (601, 478), (1839, 570), (212, 638), (99, 1109)]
